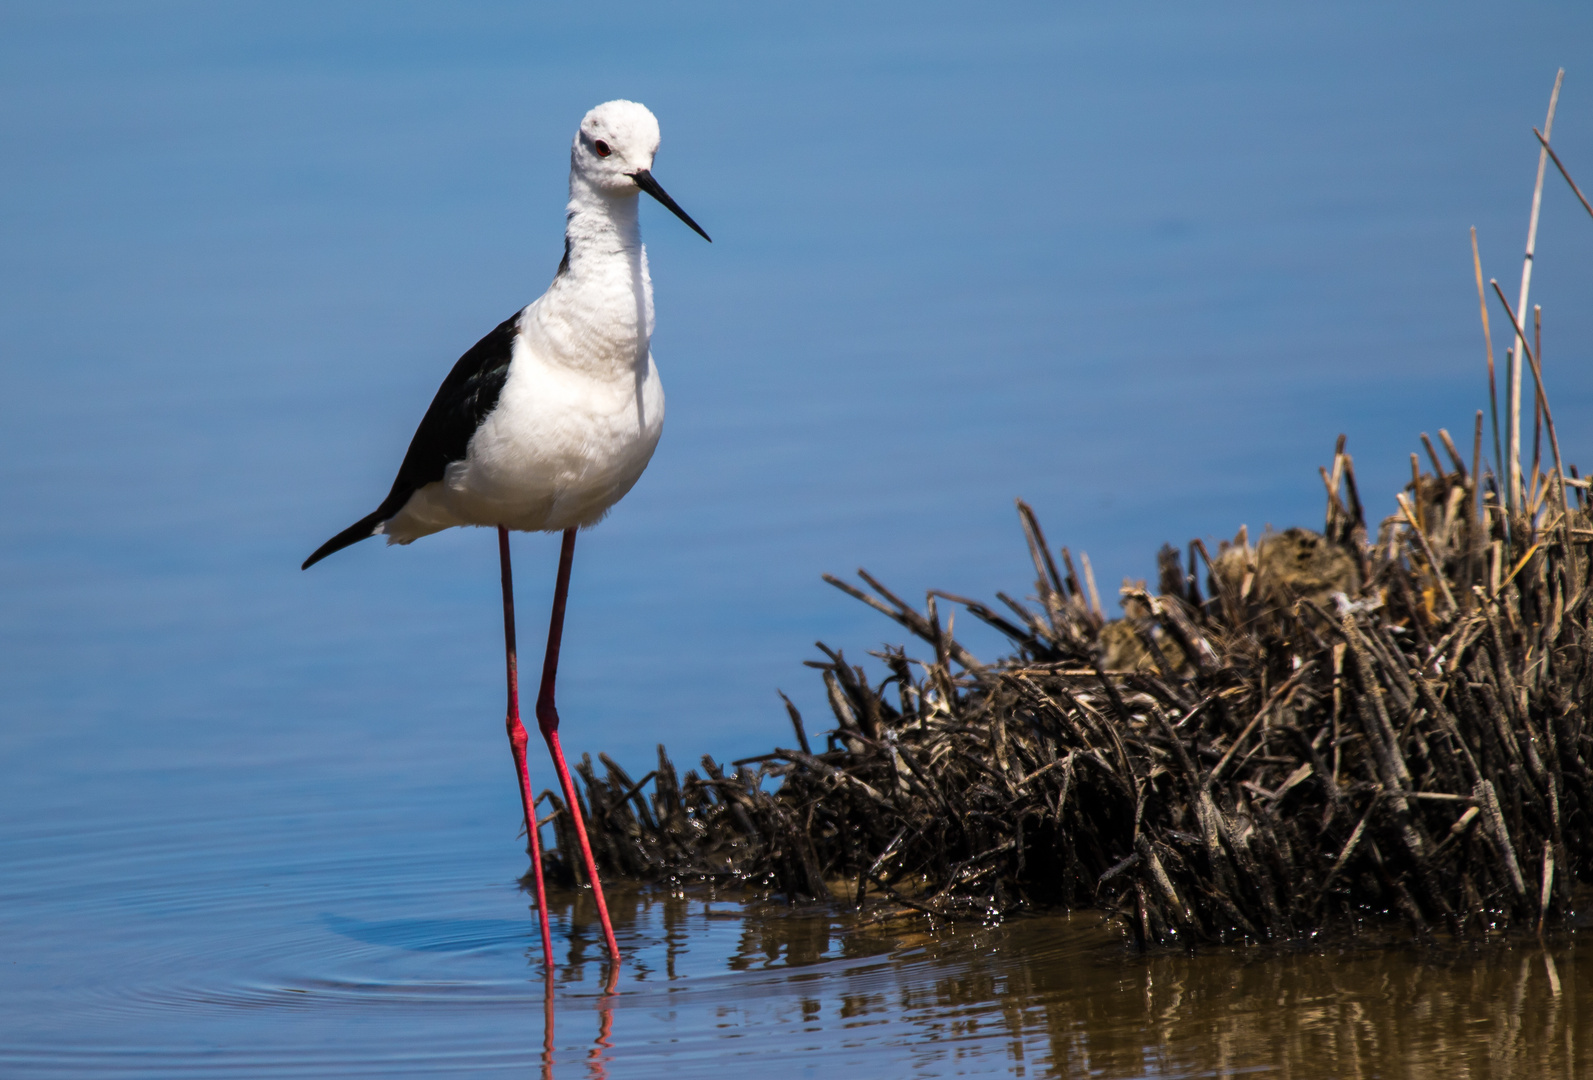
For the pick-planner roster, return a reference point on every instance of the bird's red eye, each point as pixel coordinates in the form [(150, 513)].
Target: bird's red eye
[(602, 148)]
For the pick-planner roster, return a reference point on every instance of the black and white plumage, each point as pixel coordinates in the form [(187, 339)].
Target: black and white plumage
[(467, 396), (552, 417), (547, 422)]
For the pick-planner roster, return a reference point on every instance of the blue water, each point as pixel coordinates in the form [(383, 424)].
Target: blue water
[(1137, 265)]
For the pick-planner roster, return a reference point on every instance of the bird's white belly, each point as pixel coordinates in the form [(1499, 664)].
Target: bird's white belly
[(560, 448)]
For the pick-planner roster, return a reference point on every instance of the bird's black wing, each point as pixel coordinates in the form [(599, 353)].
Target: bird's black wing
[(463, 401)]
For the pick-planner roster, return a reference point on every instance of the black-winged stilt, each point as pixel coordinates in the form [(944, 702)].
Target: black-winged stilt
[(548, 420)]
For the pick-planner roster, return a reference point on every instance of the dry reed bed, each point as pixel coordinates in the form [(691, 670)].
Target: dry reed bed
[(1339, 726)]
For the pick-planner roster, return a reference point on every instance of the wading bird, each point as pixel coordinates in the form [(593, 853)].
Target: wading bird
[(549, 420)]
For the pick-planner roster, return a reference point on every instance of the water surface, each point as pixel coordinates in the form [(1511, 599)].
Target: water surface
[(1139, 265), (151, 960)]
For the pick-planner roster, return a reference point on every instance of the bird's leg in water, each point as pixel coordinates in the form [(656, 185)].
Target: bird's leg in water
[(548, 719), (517, 742)]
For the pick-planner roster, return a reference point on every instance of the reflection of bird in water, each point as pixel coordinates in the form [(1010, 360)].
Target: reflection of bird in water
[(547, 1025), (597, 1057), (547, 421)]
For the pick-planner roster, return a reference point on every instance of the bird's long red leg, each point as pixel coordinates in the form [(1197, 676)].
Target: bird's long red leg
[(517, 742), (548, 720)]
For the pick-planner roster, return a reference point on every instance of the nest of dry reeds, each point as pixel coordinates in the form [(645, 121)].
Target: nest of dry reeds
[(1339, 726)]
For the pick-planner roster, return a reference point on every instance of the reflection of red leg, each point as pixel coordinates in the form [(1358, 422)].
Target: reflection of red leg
[(548, 720), (517, 741), (597, 1057), (547, 1028)]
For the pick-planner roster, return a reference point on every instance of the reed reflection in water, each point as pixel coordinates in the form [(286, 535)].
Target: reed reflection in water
[(798, 991)]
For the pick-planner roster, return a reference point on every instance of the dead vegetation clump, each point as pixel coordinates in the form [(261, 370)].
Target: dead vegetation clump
[(1336, 727)]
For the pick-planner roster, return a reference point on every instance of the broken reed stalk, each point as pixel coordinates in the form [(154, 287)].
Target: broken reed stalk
[(1325, 735), (1513, 499), (1563, 172), (1548, 420), (1537, 404), (1487, 337)]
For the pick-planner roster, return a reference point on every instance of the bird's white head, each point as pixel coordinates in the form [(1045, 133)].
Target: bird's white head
[(616, 140), (613, 153)]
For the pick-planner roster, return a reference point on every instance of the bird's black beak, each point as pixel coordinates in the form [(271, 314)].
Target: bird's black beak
[(645, 181)]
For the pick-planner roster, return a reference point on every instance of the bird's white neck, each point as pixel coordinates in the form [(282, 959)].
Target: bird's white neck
[(597, 316), (601, 227)]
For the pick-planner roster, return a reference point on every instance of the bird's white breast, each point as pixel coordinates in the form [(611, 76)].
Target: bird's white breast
[(564, 443), (581, 407), (576, 422)]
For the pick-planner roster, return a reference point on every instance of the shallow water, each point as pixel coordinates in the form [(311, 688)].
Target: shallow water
[(392, 940), (157, 957), (1139, 264)]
